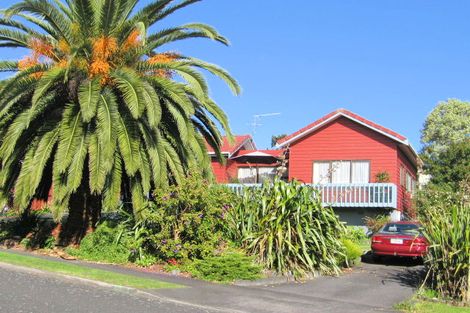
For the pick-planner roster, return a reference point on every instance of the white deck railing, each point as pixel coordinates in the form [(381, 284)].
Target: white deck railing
[(370, 195)]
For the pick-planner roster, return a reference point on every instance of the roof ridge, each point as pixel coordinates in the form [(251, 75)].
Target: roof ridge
[(349, 114)]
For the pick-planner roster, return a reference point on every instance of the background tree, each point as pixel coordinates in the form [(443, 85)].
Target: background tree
[(275, 138), (452, 166), (448, 122), (99, 111)]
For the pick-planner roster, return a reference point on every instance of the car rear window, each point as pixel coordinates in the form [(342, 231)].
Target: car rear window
[(401, 229)]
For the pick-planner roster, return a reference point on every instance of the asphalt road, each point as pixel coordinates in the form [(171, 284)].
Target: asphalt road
[(369, 288), (26, 292)]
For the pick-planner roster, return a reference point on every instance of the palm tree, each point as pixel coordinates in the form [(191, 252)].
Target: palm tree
[(99, 111)]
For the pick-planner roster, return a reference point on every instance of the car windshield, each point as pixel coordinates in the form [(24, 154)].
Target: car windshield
[(401, 229)]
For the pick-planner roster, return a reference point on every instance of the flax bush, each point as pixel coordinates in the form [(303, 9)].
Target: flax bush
[(446, 225), (285, 227)]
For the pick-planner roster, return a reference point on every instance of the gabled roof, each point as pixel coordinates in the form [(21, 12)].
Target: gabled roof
[(241, 141), (352, 116)]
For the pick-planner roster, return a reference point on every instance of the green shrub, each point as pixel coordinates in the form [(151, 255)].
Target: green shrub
[(382, 177), (49, 243), (355, 234), (285, 226), (376, 223), (187, 221), (225, 268), (101, 245), (446, 227), (26, 243), (352, 251), (4, 234)]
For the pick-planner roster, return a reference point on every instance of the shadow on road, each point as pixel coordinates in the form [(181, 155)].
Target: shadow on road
[(413, 272), (391, 261)]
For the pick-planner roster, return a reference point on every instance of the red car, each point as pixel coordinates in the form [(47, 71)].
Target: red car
[(399, 239)]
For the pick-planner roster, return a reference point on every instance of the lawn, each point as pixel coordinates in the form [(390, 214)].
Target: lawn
[(83, 272), (422, 306)]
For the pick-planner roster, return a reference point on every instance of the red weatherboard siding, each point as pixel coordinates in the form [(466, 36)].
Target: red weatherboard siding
[(404, 199), (348, 113), (343, 139), (220, 171)]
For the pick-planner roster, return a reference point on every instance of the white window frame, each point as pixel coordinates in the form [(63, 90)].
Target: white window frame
[(329, 178)]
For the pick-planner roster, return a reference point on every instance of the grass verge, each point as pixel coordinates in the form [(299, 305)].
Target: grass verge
[(83, 272), (422, 306)]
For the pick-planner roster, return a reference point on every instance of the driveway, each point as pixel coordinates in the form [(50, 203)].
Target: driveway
[(368, 288)]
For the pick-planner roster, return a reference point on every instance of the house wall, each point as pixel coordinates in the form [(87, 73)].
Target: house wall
[(220, 171), (343, 139), (404, 201)]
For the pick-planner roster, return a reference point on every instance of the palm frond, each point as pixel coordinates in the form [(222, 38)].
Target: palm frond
[(107, 122), (128, 142), (97, 171), (88, 97), (130, 85), (48, 11), (71, 133), (76, 167), (46, 82), (112, 189)]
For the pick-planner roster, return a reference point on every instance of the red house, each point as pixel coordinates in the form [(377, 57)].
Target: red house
[(356, 163), (244, 163), (362, 168)]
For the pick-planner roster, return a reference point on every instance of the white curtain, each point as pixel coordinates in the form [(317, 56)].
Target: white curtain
[(341, 172), (247, 175), (360, 172), (266, 173), (321, 172)]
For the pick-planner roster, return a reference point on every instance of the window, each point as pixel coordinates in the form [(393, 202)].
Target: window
[(410, 183), (402, 176), (341, 172), (252, 175), (266, 173), (247, 175)]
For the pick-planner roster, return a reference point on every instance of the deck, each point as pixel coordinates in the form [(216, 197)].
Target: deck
[(370, 195)]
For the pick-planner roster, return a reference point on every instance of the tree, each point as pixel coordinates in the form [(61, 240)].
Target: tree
[(452, 166), (276, 138), (98, 111), (448, 122)]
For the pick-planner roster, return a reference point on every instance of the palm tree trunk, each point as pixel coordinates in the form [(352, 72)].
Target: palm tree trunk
[(84, 214)]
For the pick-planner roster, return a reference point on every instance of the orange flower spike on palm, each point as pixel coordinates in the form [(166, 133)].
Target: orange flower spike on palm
[(162, 58), (62, 63), (99, 67), (104, 47), (41, 49), (27, 62), (63, 46), (132, 41)]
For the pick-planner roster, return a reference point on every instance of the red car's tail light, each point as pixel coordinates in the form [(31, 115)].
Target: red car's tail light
[(376, 240), (420, 241)]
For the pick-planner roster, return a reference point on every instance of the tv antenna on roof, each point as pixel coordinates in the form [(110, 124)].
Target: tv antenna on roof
[(257, 120)]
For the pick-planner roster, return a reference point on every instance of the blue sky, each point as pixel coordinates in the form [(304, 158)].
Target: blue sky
[(390, 61)]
